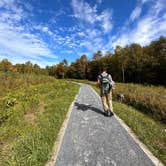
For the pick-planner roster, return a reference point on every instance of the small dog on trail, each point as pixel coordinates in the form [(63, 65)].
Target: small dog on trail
[(120, 97)]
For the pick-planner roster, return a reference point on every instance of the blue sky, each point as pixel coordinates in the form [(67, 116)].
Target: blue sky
[(47, 31)]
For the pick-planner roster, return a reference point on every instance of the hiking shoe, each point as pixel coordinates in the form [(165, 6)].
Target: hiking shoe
[(110, 113), (106, 113)]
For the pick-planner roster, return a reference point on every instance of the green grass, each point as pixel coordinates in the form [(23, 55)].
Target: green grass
[(150, 131), (30, 121)]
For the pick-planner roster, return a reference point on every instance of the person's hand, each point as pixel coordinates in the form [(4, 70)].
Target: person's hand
[(113, 85), (97, 84)]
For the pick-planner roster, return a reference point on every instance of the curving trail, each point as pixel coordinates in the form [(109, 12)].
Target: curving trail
[(92, 139)]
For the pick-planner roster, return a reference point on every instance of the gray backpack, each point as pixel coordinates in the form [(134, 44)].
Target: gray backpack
[(105, 83)]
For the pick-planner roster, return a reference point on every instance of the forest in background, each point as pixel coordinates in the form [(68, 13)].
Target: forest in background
[(132, 63)]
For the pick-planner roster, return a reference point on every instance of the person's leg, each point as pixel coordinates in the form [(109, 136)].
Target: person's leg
[(104, 101), (109, 101)]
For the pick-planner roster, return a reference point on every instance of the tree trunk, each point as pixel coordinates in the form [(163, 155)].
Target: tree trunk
[(123, 74)]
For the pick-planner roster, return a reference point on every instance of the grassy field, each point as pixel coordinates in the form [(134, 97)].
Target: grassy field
[(30, 119), (12, 81), (150, 131)]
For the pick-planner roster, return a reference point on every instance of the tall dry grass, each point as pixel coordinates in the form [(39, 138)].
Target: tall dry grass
[(150, 99), (12, 81)]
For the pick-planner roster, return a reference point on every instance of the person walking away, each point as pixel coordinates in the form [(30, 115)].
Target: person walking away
[(106, 85)]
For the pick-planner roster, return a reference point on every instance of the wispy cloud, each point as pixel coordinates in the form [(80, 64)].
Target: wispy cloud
[(25, 44), (99, 1), (94, 25), (105, 18), (147, 28), (84, 12), (136, 13), (16, 38)]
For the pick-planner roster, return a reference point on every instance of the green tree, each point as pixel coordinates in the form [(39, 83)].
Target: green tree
[(97, 55), (36, 69), (5, 65)]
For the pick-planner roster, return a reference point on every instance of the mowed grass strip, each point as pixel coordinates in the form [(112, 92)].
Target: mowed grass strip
[(28, 132), (150, 131)]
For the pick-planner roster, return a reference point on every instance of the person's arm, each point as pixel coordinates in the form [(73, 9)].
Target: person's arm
[(112, 82), (110, 78), (98, 81)]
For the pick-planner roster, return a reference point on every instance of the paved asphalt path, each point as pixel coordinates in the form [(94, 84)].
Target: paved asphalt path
[(92, 139)]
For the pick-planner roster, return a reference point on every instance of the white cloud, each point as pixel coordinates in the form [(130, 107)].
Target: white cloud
[(84, 12), (6, 3), (144, 1), (148, 28), (137, 10), (25, 44), (136, 13), (99, 1), (17, 40), (105, 18), (93, 25), (46, 30), (158, 7), (18, 59), (92, 33), (81, 34)]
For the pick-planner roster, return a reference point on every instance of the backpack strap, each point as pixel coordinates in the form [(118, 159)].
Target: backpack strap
[(107, 77), (104, 76)]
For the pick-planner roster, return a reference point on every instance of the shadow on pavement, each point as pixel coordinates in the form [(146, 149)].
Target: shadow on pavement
[(84, 107)]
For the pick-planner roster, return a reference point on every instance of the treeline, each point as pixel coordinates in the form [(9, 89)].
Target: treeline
[(132, 63), (27, 68)]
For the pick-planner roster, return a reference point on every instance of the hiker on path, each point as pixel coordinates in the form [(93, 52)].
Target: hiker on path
[(106, 85)]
